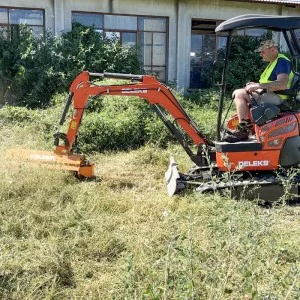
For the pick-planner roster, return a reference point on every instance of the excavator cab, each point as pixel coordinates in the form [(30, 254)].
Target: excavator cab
[(288, 27), (271, 123), (275, 144)]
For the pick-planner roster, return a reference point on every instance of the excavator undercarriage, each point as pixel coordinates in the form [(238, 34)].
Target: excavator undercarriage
[(267, 186)]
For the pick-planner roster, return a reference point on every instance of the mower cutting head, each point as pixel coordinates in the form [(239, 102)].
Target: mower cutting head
[(70, 162)]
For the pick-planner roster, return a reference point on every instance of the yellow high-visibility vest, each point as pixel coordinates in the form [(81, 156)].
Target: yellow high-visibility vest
[(264, 77)]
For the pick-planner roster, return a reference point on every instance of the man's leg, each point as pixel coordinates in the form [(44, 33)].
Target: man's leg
[(241, 100), (271, 98)]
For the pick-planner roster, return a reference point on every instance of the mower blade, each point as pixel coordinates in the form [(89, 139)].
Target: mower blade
[(70, 162), (172, 176)]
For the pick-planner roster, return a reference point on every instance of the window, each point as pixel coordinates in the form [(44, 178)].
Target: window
[(94, 20), (206, 46), (12, 18), (147, 34), (120, 22), (152, 40), (255, 32)]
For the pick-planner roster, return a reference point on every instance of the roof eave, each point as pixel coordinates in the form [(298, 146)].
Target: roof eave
[(278, 2)]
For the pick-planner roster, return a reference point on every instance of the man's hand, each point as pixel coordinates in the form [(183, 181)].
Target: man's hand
[(252, 87)]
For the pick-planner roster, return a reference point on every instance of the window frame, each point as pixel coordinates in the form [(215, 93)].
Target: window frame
[(9, 25), (137, 31)]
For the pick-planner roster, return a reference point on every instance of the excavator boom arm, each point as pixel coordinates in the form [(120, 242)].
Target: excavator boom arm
[(144, 86)]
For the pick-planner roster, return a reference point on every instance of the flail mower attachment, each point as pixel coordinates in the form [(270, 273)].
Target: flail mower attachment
[(76, 163)]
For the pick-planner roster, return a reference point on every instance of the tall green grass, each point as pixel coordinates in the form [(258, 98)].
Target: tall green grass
[(112, 122), (122, 237)]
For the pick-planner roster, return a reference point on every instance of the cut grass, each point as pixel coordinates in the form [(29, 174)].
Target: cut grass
[(122, 237)]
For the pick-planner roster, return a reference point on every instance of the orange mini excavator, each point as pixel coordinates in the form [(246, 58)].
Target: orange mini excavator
[(275, 145)]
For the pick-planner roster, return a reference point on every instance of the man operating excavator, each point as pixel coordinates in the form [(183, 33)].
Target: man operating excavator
[(277, 76)]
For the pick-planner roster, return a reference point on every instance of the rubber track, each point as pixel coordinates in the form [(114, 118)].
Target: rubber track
[(265, 180)]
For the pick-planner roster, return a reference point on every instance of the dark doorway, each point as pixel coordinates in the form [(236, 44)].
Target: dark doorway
[(204, 47)]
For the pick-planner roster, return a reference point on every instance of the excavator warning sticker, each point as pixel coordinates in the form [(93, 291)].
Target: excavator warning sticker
[(73, 125), (134, 91)]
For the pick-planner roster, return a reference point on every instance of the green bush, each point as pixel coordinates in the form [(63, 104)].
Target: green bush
[(207, 97), (109, 123), (245, 65), (17, 115), (156, 132), (112, 129), (33, 69), (141, 124), (121, 123)]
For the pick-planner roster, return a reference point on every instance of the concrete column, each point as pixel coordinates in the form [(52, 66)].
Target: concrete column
[(58, 16), (172, 40), (183, 46), (111, 6)]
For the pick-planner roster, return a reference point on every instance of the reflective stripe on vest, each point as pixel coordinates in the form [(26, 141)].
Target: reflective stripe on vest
[(264, 77)]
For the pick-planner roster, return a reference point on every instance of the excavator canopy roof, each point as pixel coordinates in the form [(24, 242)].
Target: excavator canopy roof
[(275, 23)]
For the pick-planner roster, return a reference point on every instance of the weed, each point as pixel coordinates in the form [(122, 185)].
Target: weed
[(124, 238)]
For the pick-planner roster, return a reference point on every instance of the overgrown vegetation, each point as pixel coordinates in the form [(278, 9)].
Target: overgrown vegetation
[(33, 69), (122, 238), (113, 122)]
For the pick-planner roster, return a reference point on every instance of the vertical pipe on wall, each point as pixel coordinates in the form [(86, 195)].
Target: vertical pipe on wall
[(279, 10), (279, 37)]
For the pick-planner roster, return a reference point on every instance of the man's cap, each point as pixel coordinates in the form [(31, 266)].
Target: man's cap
[(266, 44)]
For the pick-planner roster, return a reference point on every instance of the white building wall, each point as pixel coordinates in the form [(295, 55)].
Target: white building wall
[(179, 12)]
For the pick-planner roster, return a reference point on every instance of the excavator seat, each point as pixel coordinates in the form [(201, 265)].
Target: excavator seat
[(263, 113)]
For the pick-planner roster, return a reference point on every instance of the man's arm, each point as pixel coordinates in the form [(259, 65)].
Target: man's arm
[(277, 85), (279, 78)]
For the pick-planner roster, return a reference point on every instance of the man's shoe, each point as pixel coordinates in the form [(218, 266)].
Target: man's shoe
[(250, 129), (238, 135)]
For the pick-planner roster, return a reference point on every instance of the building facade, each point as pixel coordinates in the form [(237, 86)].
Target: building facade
[(175, 38)]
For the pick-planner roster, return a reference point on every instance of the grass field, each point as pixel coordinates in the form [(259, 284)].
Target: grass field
[(122, 237)]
